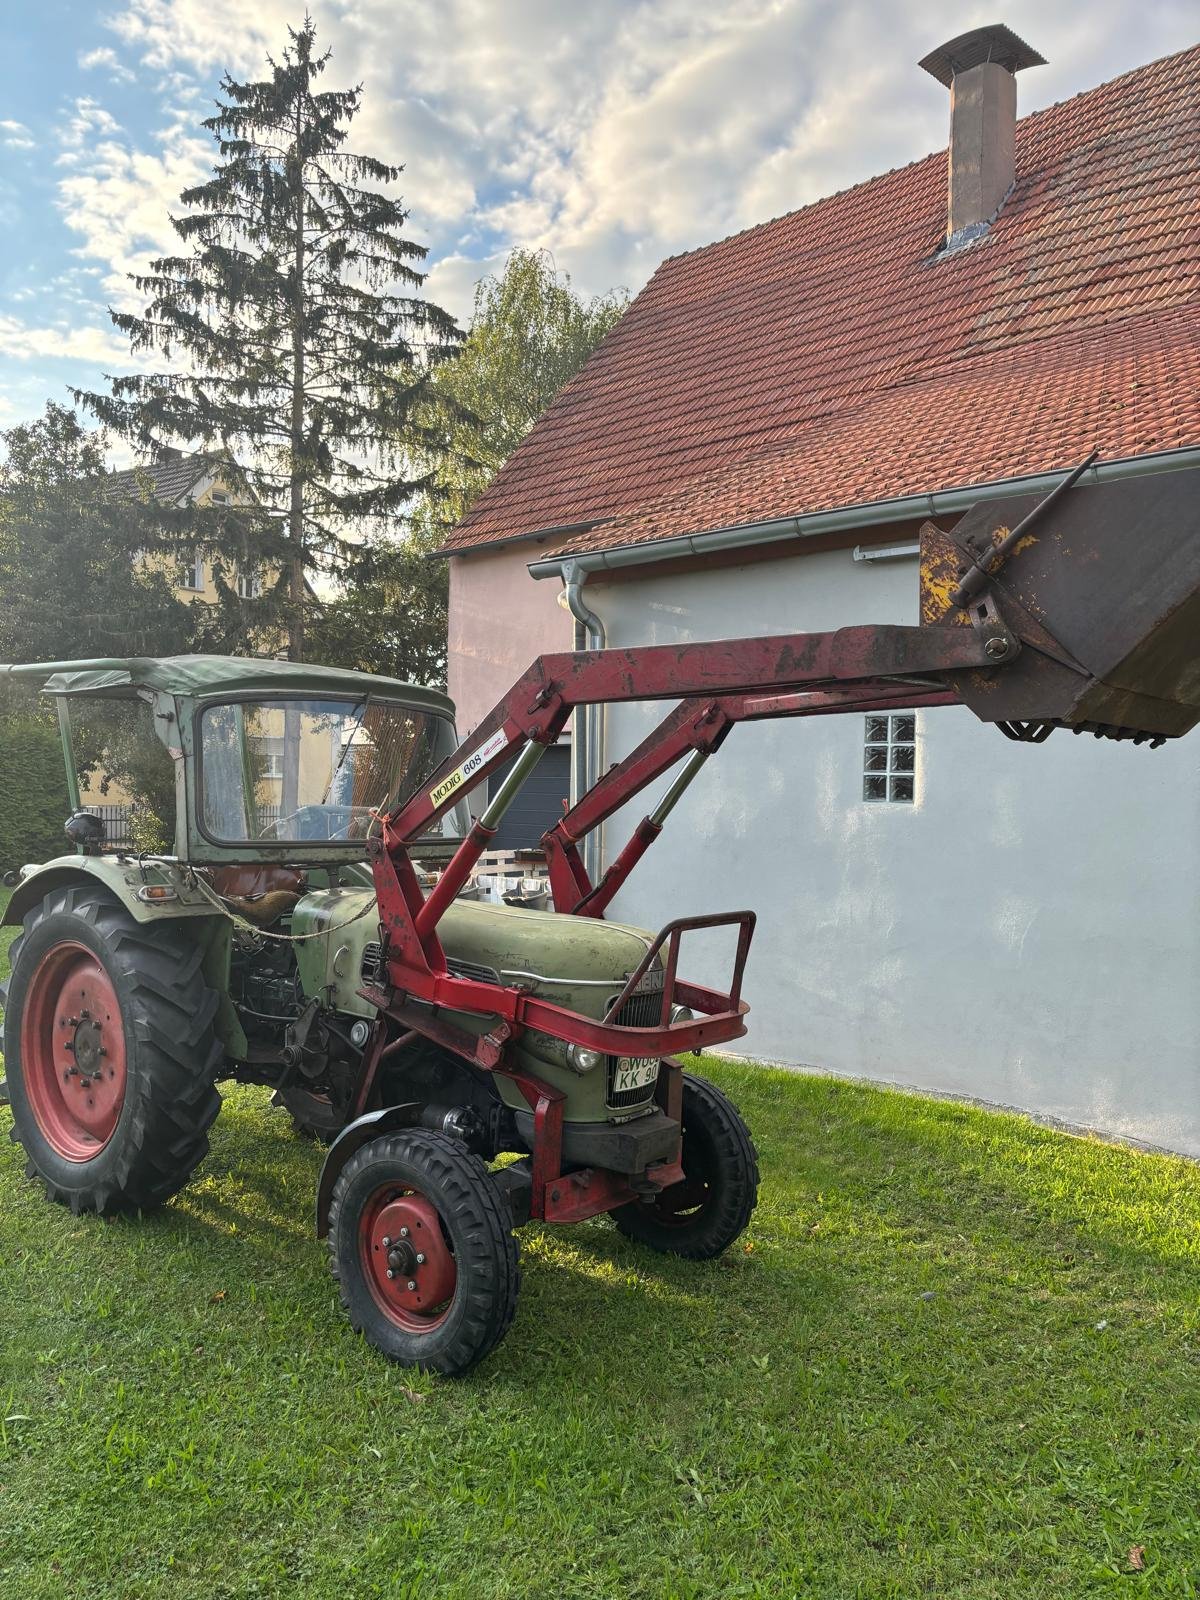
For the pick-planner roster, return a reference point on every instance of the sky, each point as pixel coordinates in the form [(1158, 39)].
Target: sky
[(611, 132)]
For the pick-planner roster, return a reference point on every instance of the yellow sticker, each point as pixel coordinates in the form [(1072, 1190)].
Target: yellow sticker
[(456, 780)]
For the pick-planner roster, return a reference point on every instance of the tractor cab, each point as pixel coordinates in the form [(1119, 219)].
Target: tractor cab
[(228, 761)]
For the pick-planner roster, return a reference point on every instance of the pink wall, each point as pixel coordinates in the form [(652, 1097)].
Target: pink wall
[(501, 619)]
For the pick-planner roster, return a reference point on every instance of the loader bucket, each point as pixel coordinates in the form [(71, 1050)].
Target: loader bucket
[(1103, 593)]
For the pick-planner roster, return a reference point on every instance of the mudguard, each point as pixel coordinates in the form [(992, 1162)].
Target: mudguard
[(122, 878), (352, 1137)]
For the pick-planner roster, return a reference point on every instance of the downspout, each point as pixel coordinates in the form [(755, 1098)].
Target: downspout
[(587, 747)]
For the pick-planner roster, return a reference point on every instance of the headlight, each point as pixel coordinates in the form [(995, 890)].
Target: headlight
[(682, 1014), (583, 1059)]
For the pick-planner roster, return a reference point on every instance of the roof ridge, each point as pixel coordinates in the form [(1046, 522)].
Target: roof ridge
[(907, 166)]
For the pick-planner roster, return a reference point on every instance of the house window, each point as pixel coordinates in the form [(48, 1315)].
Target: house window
[(219, 497), (193, 577), (249, 583), (890, 758), (271, 752)]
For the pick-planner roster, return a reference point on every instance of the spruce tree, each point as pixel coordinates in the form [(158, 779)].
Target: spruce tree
[(304, 347)]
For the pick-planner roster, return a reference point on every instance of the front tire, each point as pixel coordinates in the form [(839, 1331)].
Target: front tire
[(422, 1247), (111, 1053), (703, 1215)]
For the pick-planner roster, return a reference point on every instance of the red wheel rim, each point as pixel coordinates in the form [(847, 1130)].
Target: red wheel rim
[(73, 1052), (400, 1233)]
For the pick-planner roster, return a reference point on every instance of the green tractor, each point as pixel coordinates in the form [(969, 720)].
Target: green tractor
[(310, 929), (248, 947)]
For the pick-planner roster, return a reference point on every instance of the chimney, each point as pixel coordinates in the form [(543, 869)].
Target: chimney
[(978, 69)]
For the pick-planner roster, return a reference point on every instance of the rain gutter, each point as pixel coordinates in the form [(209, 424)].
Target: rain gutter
[(587, 746), (870, 513)]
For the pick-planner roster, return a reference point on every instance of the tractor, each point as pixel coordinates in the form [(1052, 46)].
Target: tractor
[(303, 919)]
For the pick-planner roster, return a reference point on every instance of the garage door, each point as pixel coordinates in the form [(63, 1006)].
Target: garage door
[(539, 802)]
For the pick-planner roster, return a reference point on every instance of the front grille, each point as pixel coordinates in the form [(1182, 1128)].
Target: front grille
[(371, 971), (643, 1010), (374, 973), (472, 969)]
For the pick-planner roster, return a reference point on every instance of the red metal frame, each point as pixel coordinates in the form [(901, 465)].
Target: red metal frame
[(718, 684)]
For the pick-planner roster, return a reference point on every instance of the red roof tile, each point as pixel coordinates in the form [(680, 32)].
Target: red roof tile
[(830, 357)]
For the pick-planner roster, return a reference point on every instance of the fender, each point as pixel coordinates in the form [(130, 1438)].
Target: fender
[(122, 878), (352, 1137)]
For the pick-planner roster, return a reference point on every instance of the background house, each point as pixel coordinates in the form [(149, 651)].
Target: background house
[(753, 448), (175, 478)]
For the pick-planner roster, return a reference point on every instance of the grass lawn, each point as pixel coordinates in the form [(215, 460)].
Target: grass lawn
[(957, 1355)]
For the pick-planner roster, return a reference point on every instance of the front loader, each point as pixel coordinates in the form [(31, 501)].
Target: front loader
[(309, 928)]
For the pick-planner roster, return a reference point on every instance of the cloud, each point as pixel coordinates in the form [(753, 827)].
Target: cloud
[(612, 132), (118, 196), (21, 342), (15, 135), (615, 132), (105, 56)]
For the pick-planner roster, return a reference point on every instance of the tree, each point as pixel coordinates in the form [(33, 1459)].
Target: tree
[(69, 583), (308, 350), (392, 621), (530, 333)]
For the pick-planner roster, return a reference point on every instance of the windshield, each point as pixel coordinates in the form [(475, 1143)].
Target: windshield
[(310, 770)]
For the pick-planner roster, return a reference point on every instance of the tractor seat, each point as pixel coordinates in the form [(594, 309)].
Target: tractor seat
[(260, 892)]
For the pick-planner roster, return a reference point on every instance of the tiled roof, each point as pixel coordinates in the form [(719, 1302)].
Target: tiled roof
[(831, 357), (169, 479)]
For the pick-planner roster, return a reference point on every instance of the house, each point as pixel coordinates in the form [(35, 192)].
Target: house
[(173, 478), (752, 449), (176, 478)]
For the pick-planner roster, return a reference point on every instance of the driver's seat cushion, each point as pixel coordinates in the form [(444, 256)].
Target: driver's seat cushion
[(259, 891)]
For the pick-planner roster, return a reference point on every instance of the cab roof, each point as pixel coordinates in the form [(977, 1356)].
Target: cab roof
[(208, 677)]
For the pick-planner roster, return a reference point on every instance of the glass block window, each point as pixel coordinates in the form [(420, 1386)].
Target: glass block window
[(890, 757)]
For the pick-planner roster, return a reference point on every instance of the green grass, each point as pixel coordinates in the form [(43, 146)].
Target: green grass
[(957, 1355)]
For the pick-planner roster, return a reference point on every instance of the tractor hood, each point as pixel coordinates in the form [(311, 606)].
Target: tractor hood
[(578, 962)]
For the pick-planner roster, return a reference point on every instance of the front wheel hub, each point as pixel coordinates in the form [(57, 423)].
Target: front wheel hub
[(407, 1261)]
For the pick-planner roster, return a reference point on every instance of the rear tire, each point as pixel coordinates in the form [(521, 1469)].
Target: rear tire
[(452, 1213), (703, 1215), (313, 1116), (111, 1052)]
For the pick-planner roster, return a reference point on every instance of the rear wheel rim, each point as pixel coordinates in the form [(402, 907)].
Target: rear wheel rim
[(401, 1234), (73, 1059)]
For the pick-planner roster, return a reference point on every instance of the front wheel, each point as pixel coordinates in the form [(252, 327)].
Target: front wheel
[(701, 1216), (421, 1243)]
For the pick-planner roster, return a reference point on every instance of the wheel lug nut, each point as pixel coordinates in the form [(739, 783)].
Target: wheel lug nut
[(420, 1259), (412, 1283), (386, 1241), (391, 1274), (404, 1233)]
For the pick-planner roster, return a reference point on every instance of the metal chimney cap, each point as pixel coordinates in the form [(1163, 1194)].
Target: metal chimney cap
[(995, 43)]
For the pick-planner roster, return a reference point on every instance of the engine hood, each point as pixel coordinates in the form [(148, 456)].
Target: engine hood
[(578, 962)]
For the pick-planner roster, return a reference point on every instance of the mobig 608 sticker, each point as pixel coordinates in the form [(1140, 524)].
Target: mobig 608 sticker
[(456, 780)]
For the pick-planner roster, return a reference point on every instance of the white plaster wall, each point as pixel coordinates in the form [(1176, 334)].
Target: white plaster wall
[(1027, 932), (500, 620)]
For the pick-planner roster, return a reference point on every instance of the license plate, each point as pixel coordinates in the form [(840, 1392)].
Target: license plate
[(634, 1072)]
